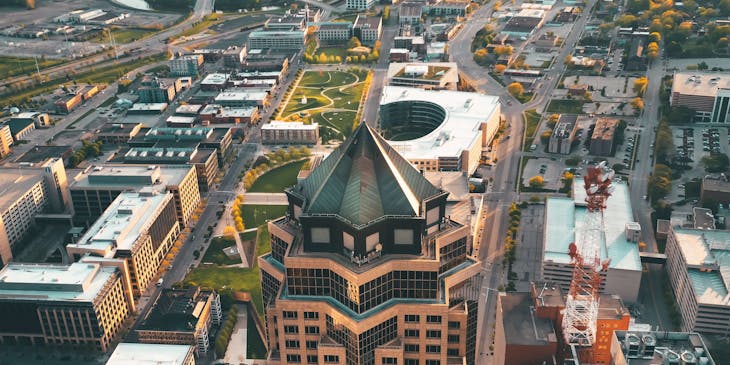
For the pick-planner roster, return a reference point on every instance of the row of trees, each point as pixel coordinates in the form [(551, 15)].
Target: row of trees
[(221, 343), (88, 149), (30, 4), (236, 214), (510, 242), (276, 158)]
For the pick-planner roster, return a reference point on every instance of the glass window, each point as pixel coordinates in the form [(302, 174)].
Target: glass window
[(311, 330), (453, 338), (411, 361), (291, 329), (413, 318), (453, 324), (290, 315), (311, 345), (292, 344), (389, 361), (331, 359), (433, 334), (433, 348), (312, 359), (433, 362), (293, 359), (433, 319), (411, 347), (452, 352), (311, 315), (412, 333)]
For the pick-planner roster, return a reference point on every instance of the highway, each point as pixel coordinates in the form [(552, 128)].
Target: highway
[(150, 45)]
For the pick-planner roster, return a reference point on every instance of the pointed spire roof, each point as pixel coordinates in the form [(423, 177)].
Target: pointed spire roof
[(364, 179)]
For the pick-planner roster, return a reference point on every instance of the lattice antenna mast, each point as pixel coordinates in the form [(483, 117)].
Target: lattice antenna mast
[(581, 308)]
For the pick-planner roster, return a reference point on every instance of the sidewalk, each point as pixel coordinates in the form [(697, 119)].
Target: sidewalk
[(236, 350)]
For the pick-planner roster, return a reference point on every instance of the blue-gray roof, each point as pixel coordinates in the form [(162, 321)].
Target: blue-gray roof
[(364, 179)]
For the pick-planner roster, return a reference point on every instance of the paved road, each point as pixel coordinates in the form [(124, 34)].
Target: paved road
[(380, 71), (651, 286)]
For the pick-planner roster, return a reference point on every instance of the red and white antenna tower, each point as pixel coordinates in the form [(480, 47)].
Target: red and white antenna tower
[(581, 308)]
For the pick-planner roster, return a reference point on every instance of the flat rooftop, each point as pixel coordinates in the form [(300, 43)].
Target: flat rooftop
[(129, 176), (121, 224), (707, 254), (243, 112), (700, 84), (149, 354), (465, 114), (17, 182), (521, 325), (564, 218), (39, 154), (364, 21), (715, 185), (279, 125), (605, 128), (668, 346), (425, 71), (215, 79), (118, 128), (78, 282), (241, 95), (188, 109), (176, 310)]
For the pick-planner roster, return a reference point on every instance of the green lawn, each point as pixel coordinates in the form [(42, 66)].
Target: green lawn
[(256, 215), (123, 35), (202, 25), (532, 120), (12, 66), (237, 279), (278, 179), (215, 254), (314, 100), (342, 122), (565, 106), (313, 79)]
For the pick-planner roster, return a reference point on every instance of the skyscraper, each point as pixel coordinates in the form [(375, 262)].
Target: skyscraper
[(366, 268)]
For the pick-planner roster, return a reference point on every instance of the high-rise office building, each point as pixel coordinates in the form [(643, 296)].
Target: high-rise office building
[(134, 233), (93, 190), (77, 304), (28, 190), (366, 268)]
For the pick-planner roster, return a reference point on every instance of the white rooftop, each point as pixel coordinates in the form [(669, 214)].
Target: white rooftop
[(701, 84), (129, 176), (77, 282), (215, 79), (465, 113), (149, 354), (228, 111), (564, 218), (148, 106), (175, 119), (279, 125), (122, 223), (707, 254), (241, 95), (188, 109)]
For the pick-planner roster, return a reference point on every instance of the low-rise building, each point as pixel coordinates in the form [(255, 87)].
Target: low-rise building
[(69, 101), (93, 190), (241, 98), (117, 133), (636, 59), (205, 160), (39, 120), (188, 110), (658, 347), (233, 56), (128, 353), (187, 65), (334, 32), (399, 55), (563, 134), (42, 154), (275, 39), (430, 76), (219, 139), (564, 216), (69, 305), (448, 9), (603, 134), (147, 108), (715, 189), (182, 317), (214, 82), (410, 13), (134, 233), (214, 113), (708, 94), (524, 23), (359, 4), (287, 21), (19, 128), (156, 90), (278, 132), (367, 29), (546, 42)]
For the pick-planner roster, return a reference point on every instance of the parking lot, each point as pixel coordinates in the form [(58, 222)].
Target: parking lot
[(693, 143), (550, 170)]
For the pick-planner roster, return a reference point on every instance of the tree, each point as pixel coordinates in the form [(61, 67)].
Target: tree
[(503, 50), (640, 85), (717, 162), (702, 66), (481, 56), (655, 37), (660, 182), (500, 68), (536, 182), (386, 13), (515, 89), (553, 120), (652, 50), (545, 136), (322, 58), (229, 231), (637, 103), (354, 42)]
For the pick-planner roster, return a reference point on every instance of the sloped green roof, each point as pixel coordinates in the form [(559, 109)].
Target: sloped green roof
[(364, 179)]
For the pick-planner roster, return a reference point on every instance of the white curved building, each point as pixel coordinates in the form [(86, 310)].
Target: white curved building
[(438, 130)]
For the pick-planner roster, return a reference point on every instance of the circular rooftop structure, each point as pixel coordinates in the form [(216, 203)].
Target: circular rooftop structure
[(410, 119)]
